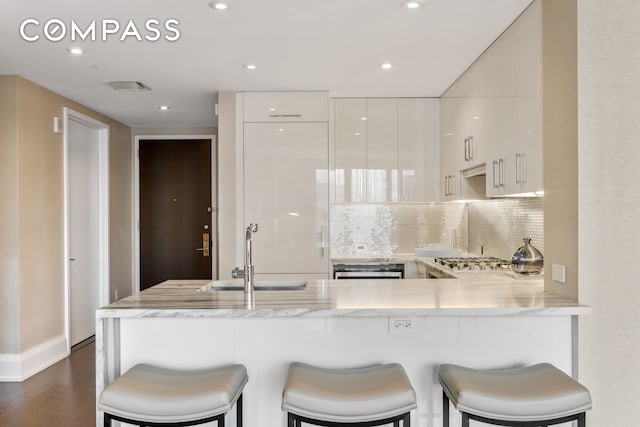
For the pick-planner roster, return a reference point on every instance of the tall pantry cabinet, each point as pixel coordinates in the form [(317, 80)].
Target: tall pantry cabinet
[(286, 181)]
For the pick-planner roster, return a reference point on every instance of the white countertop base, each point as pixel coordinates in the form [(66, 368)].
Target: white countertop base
[(348, 326)]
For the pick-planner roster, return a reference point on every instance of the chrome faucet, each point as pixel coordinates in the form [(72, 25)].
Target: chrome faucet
[(247, 274)]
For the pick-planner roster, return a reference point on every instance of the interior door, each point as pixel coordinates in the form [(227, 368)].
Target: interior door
[(83, 229), (176, 233), (286, 182)]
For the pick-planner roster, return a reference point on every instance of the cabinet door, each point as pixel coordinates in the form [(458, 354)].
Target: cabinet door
[(286, 107), (350, 139), (501, 136), (529, 174), (382, 150), (416, 150), (472, 116), (451, 148), (286, 193)]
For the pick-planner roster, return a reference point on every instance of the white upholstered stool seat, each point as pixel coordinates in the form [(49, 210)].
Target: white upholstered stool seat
[(148, 394), (539, 395), (375, 395)]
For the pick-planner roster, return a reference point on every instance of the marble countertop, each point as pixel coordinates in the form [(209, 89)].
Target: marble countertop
[(485, 295)]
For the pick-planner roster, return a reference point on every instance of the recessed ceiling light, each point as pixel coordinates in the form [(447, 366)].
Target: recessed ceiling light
[(272, 109), (164, 107), (412, 4), (386, 66), (363, 118), (250, 66), (218, 5), (75, 51)]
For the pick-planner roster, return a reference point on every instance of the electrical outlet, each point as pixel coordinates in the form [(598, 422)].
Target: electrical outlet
[(360, 247), (399, 325)]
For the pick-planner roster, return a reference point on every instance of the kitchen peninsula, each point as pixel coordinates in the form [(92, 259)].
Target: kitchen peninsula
[(489, 321)]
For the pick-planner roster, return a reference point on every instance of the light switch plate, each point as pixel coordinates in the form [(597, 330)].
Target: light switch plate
[(57, 125), (559, 273)]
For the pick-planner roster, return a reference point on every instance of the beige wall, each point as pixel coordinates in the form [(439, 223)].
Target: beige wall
[(9, 301), (560, 135), (39, 212), (609, 206)]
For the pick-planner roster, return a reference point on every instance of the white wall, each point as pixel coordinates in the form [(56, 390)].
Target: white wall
[(609, 206)]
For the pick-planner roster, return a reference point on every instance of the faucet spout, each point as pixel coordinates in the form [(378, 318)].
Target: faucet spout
[(248, 262)]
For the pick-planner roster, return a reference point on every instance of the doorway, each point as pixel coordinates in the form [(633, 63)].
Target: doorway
[(86, 183), (175, 212)]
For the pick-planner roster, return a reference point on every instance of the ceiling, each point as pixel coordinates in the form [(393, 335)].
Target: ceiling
[(334, 45)]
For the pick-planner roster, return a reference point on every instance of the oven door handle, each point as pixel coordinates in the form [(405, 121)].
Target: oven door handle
[(368, 275)]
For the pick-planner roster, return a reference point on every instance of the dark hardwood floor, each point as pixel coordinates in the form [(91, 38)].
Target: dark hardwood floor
[(62, 395)]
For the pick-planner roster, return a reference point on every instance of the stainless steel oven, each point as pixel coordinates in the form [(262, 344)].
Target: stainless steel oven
[(368, 270)]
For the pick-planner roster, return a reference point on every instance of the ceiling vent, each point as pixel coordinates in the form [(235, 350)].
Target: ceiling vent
[(128, 86)]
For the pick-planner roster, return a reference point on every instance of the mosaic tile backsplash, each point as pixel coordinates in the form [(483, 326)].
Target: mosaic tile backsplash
[(499, 225), (396, 228), (496, 225)]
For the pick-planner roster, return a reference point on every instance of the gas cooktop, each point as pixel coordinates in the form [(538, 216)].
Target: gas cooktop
[(474, 263)]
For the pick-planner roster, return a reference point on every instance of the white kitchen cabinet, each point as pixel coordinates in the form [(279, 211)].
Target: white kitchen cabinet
[(286, 107), (451, 150), (513, 108), (417, 154), (384, 149), (502, 131), (350, 146), (286, 183)]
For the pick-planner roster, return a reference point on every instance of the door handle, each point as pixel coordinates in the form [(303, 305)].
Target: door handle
[(205, 245)]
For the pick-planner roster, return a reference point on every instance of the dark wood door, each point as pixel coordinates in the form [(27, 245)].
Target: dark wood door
[(175, 210)]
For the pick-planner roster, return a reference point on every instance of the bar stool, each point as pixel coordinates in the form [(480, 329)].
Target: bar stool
[(148, 395), (532, 396), (371, 396)]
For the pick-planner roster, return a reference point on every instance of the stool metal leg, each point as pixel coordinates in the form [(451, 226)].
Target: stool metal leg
[(445, 410), (582, 420), (465, 419), (107, 420), (406, 421), (239, 411)]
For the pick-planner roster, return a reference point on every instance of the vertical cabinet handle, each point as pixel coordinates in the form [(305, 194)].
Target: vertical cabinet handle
[(470, 144), (501, 172), (523, 168), (449, 185), (518, 169), (495, 173), (466, 149), (322, 241)]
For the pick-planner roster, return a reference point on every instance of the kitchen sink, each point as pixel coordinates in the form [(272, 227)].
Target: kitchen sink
[(260, 285)]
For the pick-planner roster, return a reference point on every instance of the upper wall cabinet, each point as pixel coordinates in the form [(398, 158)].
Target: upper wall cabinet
[(492, 115), (286, 107), (384, 149), (514, 108)]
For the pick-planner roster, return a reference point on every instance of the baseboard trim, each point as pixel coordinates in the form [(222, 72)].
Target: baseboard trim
[(19, 367)]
